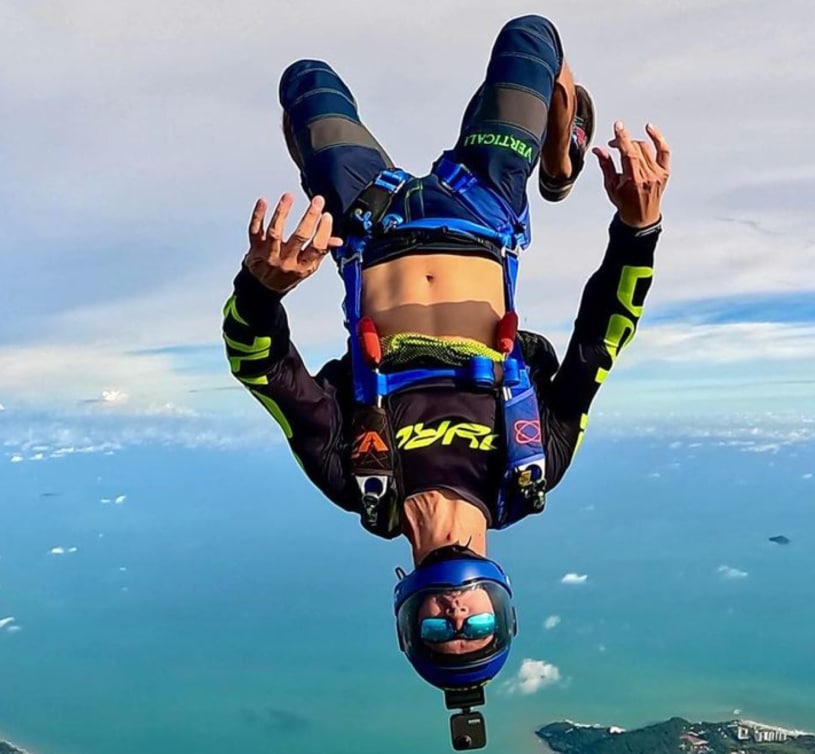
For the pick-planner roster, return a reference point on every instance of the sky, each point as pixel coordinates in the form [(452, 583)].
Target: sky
[(136, 136)]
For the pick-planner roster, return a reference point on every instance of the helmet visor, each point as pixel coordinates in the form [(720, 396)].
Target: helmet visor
[(457, 627)]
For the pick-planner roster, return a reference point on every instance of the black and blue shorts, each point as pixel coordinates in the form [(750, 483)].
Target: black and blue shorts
[(499, 141)]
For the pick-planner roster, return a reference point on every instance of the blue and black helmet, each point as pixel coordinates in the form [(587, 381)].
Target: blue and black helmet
[(454, 618)]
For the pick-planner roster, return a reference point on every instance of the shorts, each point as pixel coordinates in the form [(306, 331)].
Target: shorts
[(499, 140)]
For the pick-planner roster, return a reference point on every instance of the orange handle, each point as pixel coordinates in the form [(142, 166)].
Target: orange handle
[(369, 340)]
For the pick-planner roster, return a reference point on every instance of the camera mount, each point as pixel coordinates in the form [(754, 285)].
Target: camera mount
[(468, 729)]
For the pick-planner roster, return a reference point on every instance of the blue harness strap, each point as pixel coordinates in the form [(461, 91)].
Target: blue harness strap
[(523, 490)]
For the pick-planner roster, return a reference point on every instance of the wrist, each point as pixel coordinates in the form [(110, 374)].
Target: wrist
[(249, 287), (639, 227), (267, 279)]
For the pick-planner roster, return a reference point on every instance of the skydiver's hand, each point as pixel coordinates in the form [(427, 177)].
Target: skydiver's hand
[(637, 191), (280, 265)]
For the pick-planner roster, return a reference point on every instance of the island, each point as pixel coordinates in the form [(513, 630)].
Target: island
[(677, 736)]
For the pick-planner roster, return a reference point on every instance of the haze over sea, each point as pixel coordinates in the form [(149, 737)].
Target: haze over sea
[(214, 600)]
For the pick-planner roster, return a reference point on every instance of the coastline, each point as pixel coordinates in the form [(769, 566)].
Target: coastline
[(788, 731), (705, 737), (7, 745)]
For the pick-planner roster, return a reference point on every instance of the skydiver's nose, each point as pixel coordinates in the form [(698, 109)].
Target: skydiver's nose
[(457, 614)]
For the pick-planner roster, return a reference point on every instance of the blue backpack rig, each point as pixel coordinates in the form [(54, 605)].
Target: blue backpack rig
[(374, 464)]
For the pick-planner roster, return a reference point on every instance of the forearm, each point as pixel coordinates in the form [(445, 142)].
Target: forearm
[(263, 358), (255, 331), (607, 320)]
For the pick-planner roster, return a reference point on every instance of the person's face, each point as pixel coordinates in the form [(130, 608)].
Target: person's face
[(457, 606)]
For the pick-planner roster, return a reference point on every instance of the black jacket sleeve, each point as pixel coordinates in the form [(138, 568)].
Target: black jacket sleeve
[(607, 319), (308, 409)]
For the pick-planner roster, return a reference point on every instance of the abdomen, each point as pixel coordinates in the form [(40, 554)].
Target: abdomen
[(436, 294)]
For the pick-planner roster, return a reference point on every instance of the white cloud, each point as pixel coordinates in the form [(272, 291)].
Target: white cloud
[(16, 458), (113, 396), (553, 621), (78, 432), (6, 622), (119, 172), (721, 428), (712, 344), (806, 476), (169, 409), (575, 578), (533, 676), (767, 447), (14, 628), (120, 499), (147, 376), (62, 550), (729, 573)]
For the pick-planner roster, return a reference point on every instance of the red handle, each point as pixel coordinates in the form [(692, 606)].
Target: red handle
[(506, 332), (369, 341)]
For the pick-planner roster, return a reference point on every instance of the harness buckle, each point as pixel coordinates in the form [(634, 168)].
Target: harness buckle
[(343, 261), (531, 481), (363, 218), (373, 490), (390, 180)]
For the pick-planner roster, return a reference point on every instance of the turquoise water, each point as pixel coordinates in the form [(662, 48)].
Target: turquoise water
[(227, 606)]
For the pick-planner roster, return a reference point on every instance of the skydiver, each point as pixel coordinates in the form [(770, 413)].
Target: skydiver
[(443, 420)]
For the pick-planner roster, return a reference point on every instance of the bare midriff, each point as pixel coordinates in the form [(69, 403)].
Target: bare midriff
[(441, 295)]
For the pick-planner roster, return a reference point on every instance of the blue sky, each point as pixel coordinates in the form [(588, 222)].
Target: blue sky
[(136, 137)]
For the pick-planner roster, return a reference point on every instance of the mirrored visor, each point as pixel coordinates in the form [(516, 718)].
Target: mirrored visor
[(456, 627)]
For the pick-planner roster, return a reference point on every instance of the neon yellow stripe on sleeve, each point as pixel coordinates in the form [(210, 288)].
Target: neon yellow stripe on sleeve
[(272, 407), (629, 278), (231, 310)]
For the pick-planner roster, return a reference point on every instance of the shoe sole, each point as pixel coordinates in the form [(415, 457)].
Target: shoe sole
[(557, 191)]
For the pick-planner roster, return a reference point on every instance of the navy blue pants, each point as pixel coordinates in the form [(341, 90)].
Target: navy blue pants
[(500, 139)]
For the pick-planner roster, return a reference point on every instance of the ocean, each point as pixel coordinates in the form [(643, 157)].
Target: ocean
[(203, 600)]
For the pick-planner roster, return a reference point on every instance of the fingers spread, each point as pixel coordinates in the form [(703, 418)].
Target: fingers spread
[(622, 139), (610, 175), (663, 150), (256, 222), (646, 155), (306, 227), (323, 233), (318, 246), (629, 154), (281, 213)]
